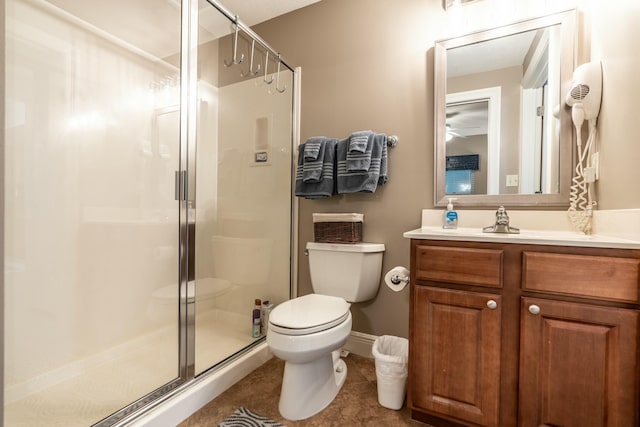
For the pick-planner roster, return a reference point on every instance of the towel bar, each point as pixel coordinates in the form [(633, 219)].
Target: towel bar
[(392, 141)]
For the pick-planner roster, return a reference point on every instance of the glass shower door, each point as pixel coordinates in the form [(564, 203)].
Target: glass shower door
[(243, 186), (125, 279), (91, 220)]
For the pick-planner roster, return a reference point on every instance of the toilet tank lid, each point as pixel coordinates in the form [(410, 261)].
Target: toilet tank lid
[(346, 247)]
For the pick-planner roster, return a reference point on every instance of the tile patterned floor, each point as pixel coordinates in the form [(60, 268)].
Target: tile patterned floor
[(356, 404)]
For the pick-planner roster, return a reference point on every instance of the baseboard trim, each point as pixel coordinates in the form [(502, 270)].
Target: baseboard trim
[(360, 343)]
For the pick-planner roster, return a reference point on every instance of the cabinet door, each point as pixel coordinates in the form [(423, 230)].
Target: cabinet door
[(455, 354), (578, 365)]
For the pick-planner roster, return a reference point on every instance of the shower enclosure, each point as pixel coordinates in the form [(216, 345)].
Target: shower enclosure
[(148, 160)]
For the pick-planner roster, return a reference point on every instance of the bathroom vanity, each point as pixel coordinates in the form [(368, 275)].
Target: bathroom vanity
[(527, 330)]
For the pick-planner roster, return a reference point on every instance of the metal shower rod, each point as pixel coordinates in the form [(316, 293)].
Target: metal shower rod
[(247, 30)]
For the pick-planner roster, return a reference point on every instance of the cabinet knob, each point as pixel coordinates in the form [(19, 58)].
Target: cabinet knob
[(534, 309), (492, 304)]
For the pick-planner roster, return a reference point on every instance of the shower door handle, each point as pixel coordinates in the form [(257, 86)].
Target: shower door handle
[(180, 185)]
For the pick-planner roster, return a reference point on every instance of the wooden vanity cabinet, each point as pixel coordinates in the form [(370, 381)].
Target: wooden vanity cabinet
[(460, 374), (578, 365), (527, 335)]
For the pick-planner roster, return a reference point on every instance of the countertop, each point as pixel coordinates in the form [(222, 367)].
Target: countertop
[(535, 237)]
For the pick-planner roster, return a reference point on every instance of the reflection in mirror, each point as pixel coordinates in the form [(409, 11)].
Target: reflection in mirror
[(498, 98), (473, 128), (466, 145)]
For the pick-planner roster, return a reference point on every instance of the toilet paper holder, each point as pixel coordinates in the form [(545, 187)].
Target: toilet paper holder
[(396, 279)]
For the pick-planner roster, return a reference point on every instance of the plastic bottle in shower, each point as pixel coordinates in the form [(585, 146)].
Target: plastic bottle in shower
[(266, 311), (255, 319)]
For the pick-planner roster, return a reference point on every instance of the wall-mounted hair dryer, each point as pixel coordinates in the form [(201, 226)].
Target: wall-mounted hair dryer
[(584, 98), (585, 95)]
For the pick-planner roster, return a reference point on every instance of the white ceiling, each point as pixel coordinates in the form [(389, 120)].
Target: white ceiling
[(502, 52), (252, 12), (468, 119), (153, 26)]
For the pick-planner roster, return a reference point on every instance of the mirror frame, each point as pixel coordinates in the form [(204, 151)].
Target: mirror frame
[(567, 22)]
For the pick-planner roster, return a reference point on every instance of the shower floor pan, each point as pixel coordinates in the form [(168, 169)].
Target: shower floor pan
[(101, 390)]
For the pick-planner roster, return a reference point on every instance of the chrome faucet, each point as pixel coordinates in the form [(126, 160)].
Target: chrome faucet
[(502, 224)]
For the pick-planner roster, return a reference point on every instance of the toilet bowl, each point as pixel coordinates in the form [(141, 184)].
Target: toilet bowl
[(307, 332), (306, 342)]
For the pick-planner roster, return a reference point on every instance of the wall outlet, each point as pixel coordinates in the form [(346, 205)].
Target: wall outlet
[(512, 180)]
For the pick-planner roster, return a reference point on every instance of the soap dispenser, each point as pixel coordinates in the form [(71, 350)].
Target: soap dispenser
[(450, 217)]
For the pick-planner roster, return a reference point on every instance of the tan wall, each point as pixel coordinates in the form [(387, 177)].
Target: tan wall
[(369, 65), (364, 66), (615, 32), (2, 80)]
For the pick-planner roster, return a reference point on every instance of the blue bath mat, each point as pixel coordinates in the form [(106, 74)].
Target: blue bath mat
[(243, 417)]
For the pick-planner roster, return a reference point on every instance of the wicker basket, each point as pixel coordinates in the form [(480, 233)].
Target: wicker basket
[(337, 228)]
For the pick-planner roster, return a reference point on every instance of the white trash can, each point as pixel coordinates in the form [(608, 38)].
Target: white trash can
[(391, 356)]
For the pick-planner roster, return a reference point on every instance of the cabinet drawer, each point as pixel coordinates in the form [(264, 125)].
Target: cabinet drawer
[(607, 278), (471, 266)]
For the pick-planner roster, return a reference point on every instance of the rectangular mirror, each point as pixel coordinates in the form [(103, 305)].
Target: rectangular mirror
[(502, 133)]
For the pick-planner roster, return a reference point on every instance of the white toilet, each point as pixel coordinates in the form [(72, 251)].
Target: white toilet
[(307, 332)]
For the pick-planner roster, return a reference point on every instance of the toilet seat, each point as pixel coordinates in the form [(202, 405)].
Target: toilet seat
[(308, 314)]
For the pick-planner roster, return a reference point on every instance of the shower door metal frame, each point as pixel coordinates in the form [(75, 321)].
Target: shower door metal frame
[(188, 130), (188, 146)]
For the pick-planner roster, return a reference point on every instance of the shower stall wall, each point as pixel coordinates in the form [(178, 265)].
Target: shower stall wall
[(147, 202)]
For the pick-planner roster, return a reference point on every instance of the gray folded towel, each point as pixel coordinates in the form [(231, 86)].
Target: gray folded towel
[(312, 147), (384, 174), (313, 168), (324, 187), (358, 141), (362, 181), (359, 160)]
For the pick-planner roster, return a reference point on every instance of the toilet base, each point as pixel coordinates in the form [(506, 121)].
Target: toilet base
[(308, 388)]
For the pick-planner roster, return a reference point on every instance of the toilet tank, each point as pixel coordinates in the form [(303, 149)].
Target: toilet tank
[(349, 271)]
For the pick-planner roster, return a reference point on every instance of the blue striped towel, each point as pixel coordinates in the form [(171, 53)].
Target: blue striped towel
[(358, 141), (312, 147), (359, 152), (313, 167), (384, 171), (362, 181), (324, 186)]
